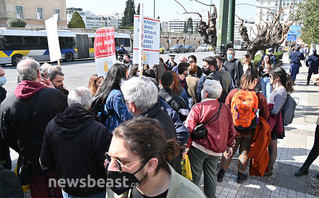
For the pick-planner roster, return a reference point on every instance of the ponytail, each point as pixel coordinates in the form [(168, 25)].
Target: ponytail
[(285, 78), (289, 84), (171, 151)]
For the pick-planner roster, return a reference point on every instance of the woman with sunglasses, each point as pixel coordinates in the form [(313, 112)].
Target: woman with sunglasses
[(282, 85), (137, 163)]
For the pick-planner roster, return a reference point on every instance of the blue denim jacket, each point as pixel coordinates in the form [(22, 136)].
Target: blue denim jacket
[(116, 110)]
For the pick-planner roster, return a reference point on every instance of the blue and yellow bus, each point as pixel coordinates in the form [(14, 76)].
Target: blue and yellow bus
[(14, 44)]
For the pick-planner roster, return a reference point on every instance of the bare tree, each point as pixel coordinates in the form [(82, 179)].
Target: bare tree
[(207, 31), (268, 35)]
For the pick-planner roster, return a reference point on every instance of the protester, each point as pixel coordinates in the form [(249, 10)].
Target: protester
[(182, 73), (24, 115), (264, 69), (314, 153), (312, 63), (134, 71), (127, 61), (178, 89), (210, 71), (273, 58), (140, 152), (74, 144), (161, 61), (193, 59), (44, 69), (111, 96), (10, 186), (234, 67), (94, 83), (243, 139), (225, 74), (192, 82), (295, 58), (159, 69), (282, 85), (141, 96), (182, 59), (175, 101), (247, 64), (170, 62), (204, 154), (57, 77)]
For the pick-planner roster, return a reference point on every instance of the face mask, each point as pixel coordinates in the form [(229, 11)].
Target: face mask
[(206, 70), (229, 57), (123, 181), (3, 81)]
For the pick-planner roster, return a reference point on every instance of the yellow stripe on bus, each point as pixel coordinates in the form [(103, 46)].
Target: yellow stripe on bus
[(22, 52), (91, 50), (2, 54)]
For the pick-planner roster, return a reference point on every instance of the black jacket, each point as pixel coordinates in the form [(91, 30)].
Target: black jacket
[(74, 144), (175, 101), (168, 126), (23, 120)]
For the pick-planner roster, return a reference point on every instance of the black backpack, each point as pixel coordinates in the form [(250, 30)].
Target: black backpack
[(97, 109)]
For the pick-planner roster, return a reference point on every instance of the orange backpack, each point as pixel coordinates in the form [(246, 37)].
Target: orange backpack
[(244, 108)]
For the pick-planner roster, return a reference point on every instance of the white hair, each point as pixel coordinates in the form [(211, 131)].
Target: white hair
[(182, 58), (28, 69), (141, 91), (213, 88), (45, 67), (80, 96)]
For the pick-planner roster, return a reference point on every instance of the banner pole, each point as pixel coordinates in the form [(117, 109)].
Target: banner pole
[(141, 38)]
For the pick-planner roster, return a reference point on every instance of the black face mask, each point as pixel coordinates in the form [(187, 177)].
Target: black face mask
[(123, 181), (206, 70)]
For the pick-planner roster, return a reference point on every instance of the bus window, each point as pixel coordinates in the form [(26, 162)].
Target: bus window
[(126, 42), (14, 43), (1, 43), (43, 42)]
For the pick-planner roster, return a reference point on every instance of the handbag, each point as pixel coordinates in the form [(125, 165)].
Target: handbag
[(186, 168), (200, 130)]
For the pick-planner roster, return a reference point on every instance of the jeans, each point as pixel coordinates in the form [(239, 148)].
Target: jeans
[(98, 195), (314, 151), (265, 87), (201, 161), (311, 71)]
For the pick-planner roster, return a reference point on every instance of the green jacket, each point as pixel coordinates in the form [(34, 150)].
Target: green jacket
[(179, 187)]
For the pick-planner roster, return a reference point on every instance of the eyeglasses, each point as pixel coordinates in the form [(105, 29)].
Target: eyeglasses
[(118, 163)]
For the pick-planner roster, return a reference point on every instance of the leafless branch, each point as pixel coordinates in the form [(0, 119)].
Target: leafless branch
[(186, 12), (273, 25), (204, 3)]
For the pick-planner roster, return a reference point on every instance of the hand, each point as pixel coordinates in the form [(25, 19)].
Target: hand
[(229, 152), (47, 83), (185, 152)]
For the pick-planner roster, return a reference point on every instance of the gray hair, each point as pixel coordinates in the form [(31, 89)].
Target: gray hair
[(28, 69), (141, 91), (183, 58), (80, 96), (213, 88), (44, 69)]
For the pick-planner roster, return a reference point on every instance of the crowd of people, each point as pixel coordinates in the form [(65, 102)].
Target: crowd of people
[(127, 132)]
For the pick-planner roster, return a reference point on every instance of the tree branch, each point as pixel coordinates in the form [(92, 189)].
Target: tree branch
[(273, 25), (204, 3), (186, 12)]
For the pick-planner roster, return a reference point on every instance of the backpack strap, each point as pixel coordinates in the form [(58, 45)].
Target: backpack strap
[(215, 116), (164, 95)]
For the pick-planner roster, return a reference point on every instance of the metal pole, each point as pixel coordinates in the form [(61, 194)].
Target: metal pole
[(280, 3), (231, 21), (222, 28), (210, 7), (154, 10)]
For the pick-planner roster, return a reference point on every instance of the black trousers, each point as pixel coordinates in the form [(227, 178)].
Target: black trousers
[(311, 71), (314, 151)]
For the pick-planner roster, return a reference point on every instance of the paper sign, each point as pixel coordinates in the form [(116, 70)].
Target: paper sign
[(151, 40), (53, 38), (104, 48)]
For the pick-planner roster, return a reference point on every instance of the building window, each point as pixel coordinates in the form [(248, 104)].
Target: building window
[(19, 12), (40, 13), (57, 11)]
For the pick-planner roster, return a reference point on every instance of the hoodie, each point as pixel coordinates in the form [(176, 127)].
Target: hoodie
[(25, 89), (74, 144)]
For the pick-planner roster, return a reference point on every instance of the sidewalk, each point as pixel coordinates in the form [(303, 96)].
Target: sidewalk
[(292, 152)]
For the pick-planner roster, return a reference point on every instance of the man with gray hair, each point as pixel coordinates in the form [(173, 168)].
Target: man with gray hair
[(74, 144), (24, 115), (204, 154), (141, 97)]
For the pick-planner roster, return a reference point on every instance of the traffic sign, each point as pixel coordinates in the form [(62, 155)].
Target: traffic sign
[(291, 37)]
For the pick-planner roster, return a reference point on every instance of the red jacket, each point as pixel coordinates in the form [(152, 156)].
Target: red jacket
[(220, 133)]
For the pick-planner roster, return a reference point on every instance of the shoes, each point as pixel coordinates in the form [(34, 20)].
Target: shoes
[(307, 83), (220, 175), (241, 178), (317, 175), (302, 171)]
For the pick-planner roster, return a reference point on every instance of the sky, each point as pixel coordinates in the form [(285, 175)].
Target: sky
[(166, 9)]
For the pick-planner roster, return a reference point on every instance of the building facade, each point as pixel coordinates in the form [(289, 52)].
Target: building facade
[(33, 12), (267, 9), (177, 25)]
